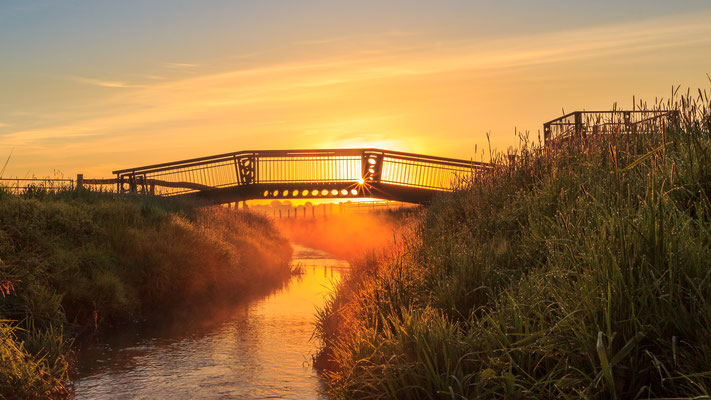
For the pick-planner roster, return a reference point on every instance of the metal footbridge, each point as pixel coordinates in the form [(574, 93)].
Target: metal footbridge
[(292, 174)]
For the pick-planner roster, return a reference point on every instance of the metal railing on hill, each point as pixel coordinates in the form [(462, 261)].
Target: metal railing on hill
[(583, 123)]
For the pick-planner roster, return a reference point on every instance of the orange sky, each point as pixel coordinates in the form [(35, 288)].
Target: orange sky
[(398, 89)]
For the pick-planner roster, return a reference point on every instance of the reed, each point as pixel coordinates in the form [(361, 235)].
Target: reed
[(577, 271)]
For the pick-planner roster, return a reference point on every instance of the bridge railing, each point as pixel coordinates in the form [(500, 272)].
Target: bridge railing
[(308, 166), (583, 123), (362, 166), (426, 172)]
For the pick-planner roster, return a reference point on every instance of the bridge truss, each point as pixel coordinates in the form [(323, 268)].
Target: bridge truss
[(291, 174)]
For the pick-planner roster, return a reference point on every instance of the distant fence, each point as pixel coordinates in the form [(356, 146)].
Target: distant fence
[(326, 210), (54, 185), (24, 185)]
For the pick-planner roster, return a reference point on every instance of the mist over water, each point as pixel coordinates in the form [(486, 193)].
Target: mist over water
[(349, 236), (258, 349)]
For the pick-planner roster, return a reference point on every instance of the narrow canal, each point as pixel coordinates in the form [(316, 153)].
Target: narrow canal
[(259, 349)]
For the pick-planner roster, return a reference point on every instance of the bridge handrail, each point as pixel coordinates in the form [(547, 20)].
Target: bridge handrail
[(302, 153)]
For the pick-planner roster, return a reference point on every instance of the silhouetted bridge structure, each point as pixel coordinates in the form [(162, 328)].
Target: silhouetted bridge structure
[(291, 174), (338, 173)]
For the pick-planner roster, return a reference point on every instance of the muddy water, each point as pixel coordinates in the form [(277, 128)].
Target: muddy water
[(258, 350)]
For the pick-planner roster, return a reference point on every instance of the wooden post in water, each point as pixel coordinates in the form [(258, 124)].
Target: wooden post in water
[(80, 181)]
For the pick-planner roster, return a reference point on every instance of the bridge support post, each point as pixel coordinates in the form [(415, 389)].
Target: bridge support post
[(247, 169), (372, 166)]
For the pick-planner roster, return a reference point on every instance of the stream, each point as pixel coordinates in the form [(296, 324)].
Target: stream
[(259, 349)]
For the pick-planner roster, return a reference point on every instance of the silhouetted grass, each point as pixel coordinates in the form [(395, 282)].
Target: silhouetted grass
[(74, 262), (582, 271)]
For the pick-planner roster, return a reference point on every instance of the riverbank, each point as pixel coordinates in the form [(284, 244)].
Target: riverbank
[(577, 271), (76, 262)]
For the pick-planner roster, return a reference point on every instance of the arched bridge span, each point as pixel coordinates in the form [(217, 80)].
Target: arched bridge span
[(290, 174)]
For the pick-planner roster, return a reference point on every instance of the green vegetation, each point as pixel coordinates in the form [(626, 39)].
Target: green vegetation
[(74, 262), (582, 271)]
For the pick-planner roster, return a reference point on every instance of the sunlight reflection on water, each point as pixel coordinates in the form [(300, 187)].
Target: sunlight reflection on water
[(261, 349)]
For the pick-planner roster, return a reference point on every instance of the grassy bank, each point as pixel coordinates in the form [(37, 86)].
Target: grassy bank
[(75, 262), (582, 271)]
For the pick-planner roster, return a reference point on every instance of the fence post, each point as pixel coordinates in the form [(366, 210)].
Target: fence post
[(579, 124), (80, 181), (546, 133), (627, 116)]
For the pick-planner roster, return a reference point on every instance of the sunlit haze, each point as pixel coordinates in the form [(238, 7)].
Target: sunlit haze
[(93, 86)]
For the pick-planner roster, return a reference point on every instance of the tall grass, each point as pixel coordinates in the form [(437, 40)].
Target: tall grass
[(75, 262), (581, 271)]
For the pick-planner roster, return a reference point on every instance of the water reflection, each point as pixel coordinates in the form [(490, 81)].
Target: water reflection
[(261, 349)]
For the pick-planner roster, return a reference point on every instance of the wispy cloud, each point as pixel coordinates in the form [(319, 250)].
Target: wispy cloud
[(181, 66), (360, 39), (314, 94), (105, 83)]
